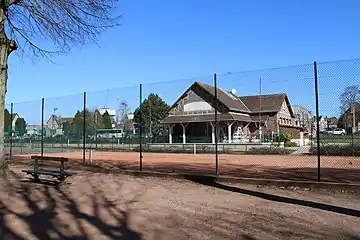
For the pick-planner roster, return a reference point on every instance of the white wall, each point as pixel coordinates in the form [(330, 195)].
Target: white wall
[(197, 106)]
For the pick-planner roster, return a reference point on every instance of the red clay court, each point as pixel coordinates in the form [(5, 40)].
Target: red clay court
[(285, 167)]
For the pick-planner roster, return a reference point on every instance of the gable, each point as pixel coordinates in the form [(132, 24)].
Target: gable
[(51, 119), (195, 101), (285, 109), (15, 117)]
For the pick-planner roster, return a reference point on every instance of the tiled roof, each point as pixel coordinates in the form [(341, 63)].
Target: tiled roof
[(264, 103), (228, 99), (248, 106)]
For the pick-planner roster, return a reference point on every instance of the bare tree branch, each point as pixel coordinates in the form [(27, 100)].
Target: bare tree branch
[(61, 23), (43, 28), (350, 96)]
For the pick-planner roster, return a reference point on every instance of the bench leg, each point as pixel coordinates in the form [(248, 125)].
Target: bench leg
[(62, 178), (36, 178)]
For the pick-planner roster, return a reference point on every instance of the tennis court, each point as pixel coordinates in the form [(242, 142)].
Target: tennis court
[(336, 169)]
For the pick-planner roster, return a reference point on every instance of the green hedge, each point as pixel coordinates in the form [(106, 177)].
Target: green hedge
[(174, 149), (208, 150), (269, 151), (337, 150), (290, 144)]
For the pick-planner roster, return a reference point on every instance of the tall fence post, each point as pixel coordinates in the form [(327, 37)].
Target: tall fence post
[(216, 129), (84, 128), (353, 129), (140, 127), (317, 120), (11, 128), (42, 125)]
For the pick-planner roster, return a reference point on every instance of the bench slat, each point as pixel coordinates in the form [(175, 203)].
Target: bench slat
[(48, 172), (45, 158)]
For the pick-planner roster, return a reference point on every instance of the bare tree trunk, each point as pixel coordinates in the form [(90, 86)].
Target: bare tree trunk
[(6, 47), (3, 86)]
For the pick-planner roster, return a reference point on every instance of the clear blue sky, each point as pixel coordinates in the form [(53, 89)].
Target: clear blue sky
[(163, 40)]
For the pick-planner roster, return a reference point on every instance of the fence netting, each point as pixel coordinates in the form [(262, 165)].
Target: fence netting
[(294, 123)]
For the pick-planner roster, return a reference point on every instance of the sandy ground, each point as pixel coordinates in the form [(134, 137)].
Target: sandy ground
[(285, 167), (107, 206)]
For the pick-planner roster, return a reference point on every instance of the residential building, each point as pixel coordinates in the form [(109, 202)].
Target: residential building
[(111, 112), (33, 129), (303, 118), (54, 125), (130, 126), (14, 118), (346, 120), (332, 122), (240, 118), (322, 125)]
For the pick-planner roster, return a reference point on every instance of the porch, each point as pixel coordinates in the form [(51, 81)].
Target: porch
[(204, 132)]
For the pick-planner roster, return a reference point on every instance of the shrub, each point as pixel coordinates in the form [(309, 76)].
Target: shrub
[(269, 151), (337, 150), (287, 140), (290, 144)]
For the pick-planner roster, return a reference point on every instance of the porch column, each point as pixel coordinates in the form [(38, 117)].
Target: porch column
[(229, 132), (184, 125), (212, 133), (171, 126), (301, 142)]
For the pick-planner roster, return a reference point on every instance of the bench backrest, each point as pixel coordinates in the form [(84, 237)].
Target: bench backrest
[(62, 160), (45, 158)]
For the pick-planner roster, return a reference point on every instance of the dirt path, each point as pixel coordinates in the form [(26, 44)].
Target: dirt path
[(100, 206)]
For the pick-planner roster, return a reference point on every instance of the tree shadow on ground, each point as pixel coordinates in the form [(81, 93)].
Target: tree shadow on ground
[(48, 212), (211, 181), (339, 174)]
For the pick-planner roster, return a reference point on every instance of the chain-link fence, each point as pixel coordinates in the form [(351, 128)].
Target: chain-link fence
[(338, 120), (265, 115), (295, 123)]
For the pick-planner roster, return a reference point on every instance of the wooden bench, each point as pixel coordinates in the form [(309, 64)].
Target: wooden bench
[(60, 174)]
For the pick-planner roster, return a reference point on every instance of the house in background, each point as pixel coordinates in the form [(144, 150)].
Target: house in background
[(54, 125), (303, 118), (14, 118), (111, 112), (346, 120), (130, 126), (322, 125), (332, 122), (244, 118), (33, 130)]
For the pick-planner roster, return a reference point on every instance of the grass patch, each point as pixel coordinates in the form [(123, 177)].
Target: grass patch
[(337, 150), (339, 139)]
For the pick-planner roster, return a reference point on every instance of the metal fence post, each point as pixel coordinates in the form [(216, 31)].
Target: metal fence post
[(11, 120), (84, 128), (353, 129), (317, 119), (216, 129), (42, 125), (140, 127)]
